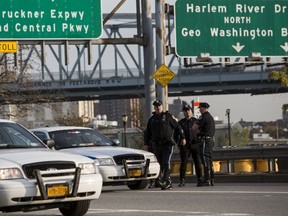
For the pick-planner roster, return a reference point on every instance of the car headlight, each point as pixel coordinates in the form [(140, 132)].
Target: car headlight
[(152, 157), (10, 173), (87, 168), (104, 161)]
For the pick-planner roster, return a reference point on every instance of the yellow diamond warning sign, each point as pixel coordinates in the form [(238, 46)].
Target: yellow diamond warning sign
[(163, 75)]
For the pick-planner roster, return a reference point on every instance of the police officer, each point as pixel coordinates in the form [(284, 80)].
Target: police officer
[(191, 147), (206, 135), (160, 133)]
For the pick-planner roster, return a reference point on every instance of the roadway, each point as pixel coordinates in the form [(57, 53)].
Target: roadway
[(224, 199)]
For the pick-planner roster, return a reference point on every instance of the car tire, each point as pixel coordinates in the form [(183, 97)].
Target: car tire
[(137, 185), (76, 208)]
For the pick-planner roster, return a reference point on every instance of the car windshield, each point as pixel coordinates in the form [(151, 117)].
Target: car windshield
[(13, 135), (79, 138)]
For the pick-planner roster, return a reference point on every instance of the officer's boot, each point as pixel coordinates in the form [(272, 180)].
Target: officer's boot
[(158, 182), (182, 183), (212, 182), (167, 185), (206, 181), (200, 181), (212, 176), (199, 177)]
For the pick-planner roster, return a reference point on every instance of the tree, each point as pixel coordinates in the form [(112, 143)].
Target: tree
[(71, 119), (281, 76), (137, 115), (17, 94), (285, 108), (238, 138)]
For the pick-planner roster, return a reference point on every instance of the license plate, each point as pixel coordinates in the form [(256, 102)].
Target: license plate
[(57, 190), (135, 172)]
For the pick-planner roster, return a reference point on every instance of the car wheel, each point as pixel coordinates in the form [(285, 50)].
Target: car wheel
[(76, 208), (137, 185)]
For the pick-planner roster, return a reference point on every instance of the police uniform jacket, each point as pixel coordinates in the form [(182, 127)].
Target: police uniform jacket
[(161, 127), (207, 125), (186, 125)]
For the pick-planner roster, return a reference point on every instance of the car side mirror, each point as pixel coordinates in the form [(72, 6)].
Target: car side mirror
[(49, 143), (116, 142)]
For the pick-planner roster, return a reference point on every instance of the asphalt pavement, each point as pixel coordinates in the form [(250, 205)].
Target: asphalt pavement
[(224, 199)]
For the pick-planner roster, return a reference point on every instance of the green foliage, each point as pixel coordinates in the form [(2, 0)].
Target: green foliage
[(222, 141), (238, 138), (245, 136), (281, 76), (271, 130)]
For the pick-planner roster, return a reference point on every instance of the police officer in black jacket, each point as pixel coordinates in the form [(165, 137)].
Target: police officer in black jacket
[(160, 131), (206, 135), (191, 147)]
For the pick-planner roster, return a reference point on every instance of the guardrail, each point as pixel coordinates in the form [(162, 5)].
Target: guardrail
[(268, 159)]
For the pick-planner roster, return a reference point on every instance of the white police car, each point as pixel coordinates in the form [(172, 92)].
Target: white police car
[(117, 165), (34, 177)]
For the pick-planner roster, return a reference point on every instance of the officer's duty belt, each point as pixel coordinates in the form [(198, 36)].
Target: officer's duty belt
[(197, 140), (205, 137)]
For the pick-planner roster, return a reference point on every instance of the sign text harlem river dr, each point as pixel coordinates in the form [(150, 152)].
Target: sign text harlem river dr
[(231, 27)]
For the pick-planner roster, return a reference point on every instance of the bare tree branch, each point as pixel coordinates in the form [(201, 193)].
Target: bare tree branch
[(17, 93)]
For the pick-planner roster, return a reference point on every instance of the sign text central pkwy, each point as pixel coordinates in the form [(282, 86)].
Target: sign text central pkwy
[(231, 27), (50, 19)]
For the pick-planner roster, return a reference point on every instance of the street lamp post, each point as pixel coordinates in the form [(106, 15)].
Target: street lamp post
[(229, 126), (125, 119)]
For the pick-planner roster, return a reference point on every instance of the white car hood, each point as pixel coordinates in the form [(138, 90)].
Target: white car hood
[(20, 157), (100, 152)]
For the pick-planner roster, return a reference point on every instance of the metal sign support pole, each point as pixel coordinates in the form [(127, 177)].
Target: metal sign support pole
[(162, 92), (149, 67)]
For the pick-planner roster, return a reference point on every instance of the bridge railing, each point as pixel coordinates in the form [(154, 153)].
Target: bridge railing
[(249, 159), (86, 74)]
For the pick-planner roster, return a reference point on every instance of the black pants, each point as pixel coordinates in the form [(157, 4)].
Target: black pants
[(206, 146), (185, 152), (164, 154)]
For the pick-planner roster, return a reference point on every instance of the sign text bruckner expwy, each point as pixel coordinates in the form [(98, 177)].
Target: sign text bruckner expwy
[(50, 27), (50, 19)]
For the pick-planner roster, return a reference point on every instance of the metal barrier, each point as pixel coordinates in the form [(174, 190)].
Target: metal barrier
[(269, 159)]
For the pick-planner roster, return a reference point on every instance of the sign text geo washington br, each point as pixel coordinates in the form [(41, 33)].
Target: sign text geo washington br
[(231, 27), (50, 19)]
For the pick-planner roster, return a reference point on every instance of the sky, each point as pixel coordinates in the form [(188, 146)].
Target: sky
[(242, 106)]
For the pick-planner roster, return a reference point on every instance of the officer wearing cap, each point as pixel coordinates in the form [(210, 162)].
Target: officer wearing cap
[(206, 135), (191, 147), (160, 131)]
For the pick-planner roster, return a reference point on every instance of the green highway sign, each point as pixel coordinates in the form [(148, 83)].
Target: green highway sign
[(231, 27), (50, 19)]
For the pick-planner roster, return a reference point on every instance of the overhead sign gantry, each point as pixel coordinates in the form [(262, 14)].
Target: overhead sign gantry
[(50, 19), (231, 27)]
